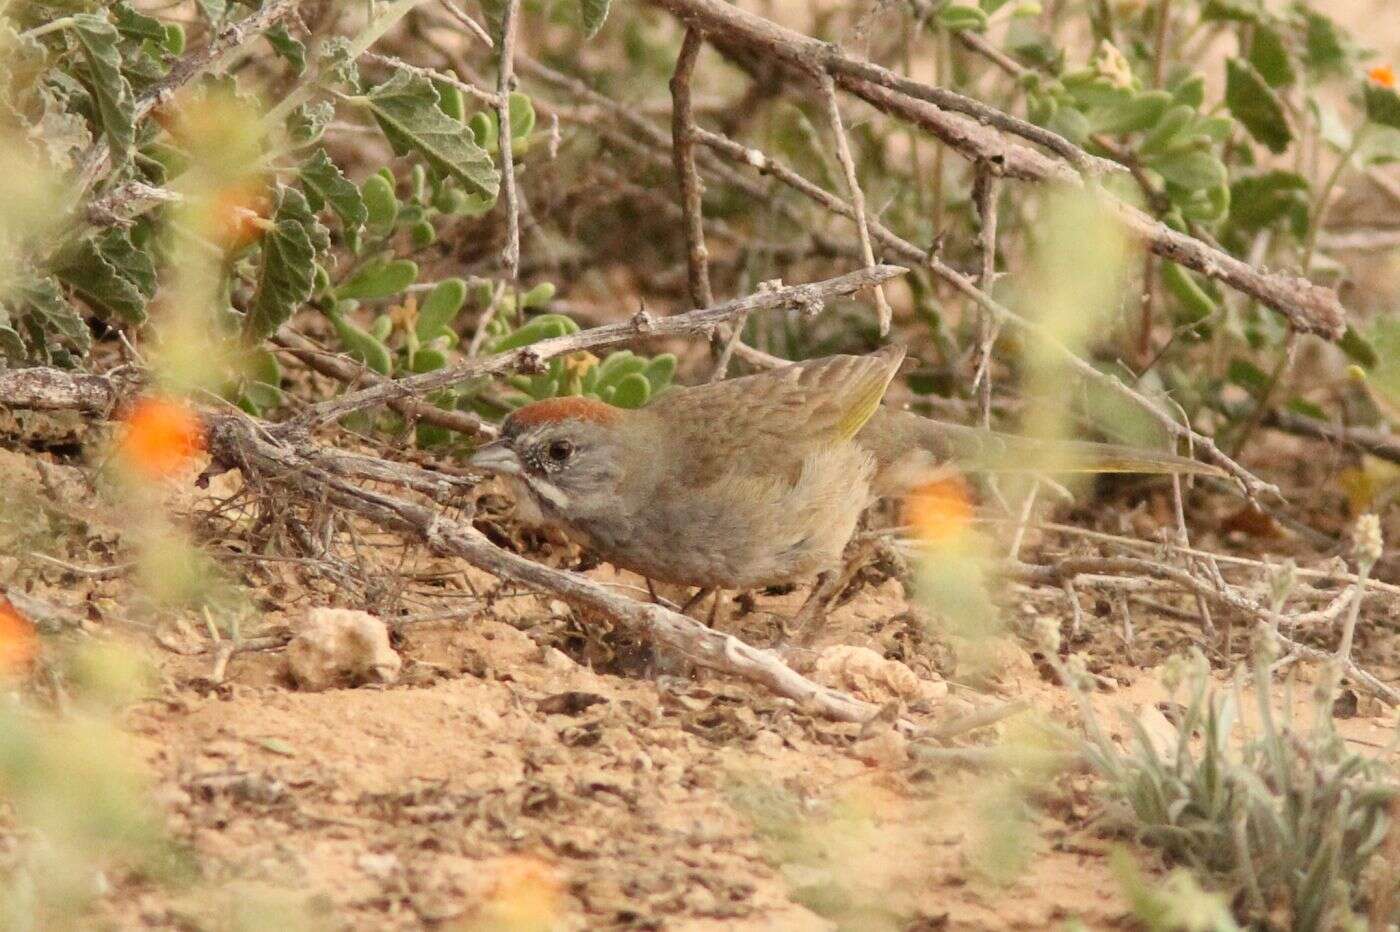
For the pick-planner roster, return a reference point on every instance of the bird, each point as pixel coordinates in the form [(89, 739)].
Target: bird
[(753, 481)]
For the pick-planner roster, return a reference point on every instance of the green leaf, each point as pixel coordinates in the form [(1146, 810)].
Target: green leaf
[(51, 312), (1324, 48), (287, 272), (116, 105), (382, 326), (1244, 11), (1270, 58), (660, 372), (1194, 170), (111, 275), (1306, 408), (308, 122), (957, 17), (538, 296), (1207, 205), (422, 234), (292, 205), (362, 345), (1194, 303), (1258, 201), (337, 62), (380, 203), (1382, 105), (324, 183), (440, 308), (287, 47), (543, 327), (1247, 375), (406, 109), (378, 279), (1164, 134), (174, 41), (593, 13), (618, 366), (522, 121), (1358, 349), (1255, 105), (428, 359), (1191, 91), (138, 26), (1385, 339), (261, 388), (450, 100), (1134, 113), (631, 391), (11, 344)]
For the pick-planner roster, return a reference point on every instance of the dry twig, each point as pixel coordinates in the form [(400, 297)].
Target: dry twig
[(505, 82), (809, 297), (687, 177), (848, 168), (1309, 307)]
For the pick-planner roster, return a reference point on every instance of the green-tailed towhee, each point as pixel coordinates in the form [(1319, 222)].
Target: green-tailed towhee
[(752, 481)]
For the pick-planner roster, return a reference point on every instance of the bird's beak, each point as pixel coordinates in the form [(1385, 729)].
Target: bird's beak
[(496, 458)]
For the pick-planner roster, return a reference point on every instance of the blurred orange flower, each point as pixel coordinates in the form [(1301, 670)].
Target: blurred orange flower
[(526, 895), (238, 215), (18, 645), (939, 511), (1382, 76), (159, 437)]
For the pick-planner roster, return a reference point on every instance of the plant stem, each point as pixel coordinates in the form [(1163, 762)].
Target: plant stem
[(1324, 196), (63, 22)]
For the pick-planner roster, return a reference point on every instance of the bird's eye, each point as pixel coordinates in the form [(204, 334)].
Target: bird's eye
[(560, 450)]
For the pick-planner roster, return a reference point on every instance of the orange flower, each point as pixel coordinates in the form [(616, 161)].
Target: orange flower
[(941, 510), (525, 895), (160, 437), (1382, 76), (238, 214), (18, 645)]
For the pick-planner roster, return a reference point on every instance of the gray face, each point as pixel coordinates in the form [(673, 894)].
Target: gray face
[(568, 468)]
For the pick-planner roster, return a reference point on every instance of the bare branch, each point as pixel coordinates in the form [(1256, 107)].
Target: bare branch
[(848, 167), (344, 369), (810, 296), (505, 82), (44, 389), (1376, 442), (978, 137), (986, 193), (687, 177), (471, 25), (999, 311)]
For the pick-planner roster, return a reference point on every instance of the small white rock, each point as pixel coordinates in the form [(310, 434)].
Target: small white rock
[(341, 647), (869, 676)]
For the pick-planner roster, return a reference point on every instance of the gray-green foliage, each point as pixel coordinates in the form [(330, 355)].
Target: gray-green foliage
[(1290, 819), (75, 74)]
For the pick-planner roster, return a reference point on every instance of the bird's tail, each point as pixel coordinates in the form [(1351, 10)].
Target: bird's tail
[(905, 445)]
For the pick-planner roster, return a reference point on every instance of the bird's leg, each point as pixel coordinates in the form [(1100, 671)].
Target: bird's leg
[(651, 591), (803, 627), (696, 599), (806, 624), (714, 607)]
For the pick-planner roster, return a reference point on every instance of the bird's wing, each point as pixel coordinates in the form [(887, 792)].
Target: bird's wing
[(778, 417)]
